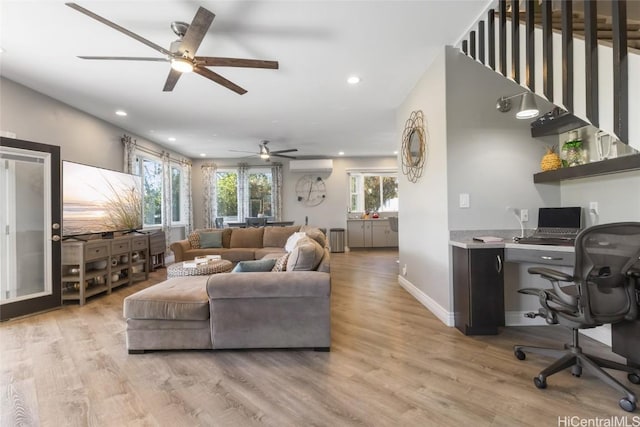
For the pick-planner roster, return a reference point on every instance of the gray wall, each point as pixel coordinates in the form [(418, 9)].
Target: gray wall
[(490, 155), (332, 213), (82, 138), (475, 149)]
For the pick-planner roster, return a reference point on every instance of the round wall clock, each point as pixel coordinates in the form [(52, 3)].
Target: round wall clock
[(310, 190)]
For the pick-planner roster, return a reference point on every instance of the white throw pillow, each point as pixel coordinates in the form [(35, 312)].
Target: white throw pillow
[(293, 239)]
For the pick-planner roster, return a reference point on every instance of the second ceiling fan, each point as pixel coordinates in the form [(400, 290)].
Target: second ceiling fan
[(265, 153), (182, 52)]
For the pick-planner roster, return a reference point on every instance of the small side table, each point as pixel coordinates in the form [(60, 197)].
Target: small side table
[(212, 267)]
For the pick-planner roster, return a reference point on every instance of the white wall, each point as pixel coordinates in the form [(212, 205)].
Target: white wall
[(423, 229), (332, 213)]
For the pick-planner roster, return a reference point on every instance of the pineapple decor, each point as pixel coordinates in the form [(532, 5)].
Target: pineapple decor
[(550, 161)]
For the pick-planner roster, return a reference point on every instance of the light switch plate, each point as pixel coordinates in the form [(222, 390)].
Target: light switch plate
[(464, 200)]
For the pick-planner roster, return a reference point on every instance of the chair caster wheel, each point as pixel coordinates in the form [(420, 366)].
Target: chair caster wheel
[(576, 371), (634, 378), (542, 383), (627, 405), (520, 354)]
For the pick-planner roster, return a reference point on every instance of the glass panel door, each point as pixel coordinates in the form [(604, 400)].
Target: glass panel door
[(29, 227)]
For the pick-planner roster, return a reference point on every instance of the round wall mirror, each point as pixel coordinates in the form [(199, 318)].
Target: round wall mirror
[(415, 149), (414, 146)]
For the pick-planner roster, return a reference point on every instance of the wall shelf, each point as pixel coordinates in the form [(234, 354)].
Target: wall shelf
[(603, 167)]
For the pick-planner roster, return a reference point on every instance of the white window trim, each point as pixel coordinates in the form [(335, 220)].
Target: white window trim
[(183, 191), (141, 157), (360, 184)]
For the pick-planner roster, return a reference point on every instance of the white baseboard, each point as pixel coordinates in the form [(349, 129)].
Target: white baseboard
[(445, 316)]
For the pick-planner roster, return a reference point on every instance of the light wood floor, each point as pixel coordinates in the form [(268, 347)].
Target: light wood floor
[(392, 363)]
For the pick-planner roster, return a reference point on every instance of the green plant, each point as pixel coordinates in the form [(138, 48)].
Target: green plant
[(572, 144)]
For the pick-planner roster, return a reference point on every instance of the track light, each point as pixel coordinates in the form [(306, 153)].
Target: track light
[(528, 108)]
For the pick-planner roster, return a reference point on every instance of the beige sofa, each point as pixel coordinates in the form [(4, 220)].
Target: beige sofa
[(238, 244), (289, 309)]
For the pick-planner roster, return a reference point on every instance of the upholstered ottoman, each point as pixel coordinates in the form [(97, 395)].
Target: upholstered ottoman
[(171, 315)]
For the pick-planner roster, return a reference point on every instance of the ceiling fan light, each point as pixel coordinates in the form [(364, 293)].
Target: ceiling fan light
[(264, 156), (182, 65)]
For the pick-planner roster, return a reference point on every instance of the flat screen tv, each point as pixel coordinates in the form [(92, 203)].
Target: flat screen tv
[(96, 200)]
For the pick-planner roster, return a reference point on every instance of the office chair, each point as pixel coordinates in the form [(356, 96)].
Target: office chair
[(256, 222), (219, 221), (601, 290)]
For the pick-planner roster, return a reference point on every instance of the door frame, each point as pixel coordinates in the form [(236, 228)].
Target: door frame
[(53, 300)]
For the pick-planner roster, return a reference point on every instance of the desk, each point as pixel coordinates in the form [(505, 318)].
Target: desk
[(478, 288), (269, 224)]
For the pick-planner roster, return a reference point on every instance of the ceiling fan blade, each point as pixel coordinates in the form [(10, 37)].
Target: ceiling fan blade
[(196, 32), (125, 58), (284, 151), (119, 28), (211, 61), (172, 79), (204, 72), (282, 155)]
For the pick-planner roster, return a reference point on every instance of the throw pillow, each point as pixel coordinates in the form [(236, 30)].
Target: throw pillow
[(292, 240), (316, 234), (254, 266), (306, 256), (211, 239), (194, 240), (281, 263)]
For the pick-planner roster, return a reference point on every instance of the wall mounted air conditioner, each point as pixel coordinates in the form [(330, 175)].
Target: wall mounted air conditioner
[(316, 165)]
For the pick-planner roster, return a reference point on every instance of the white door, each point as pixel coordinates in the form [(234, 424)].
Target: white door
[(29, 227)]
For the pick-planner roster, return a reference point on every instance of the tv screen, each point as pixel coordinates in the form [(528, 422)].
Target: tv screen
[(96, 200)]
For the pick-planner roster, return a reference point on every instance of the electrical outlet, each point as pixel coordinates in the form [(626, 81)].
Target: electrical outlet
[(524, 215), (593, 208)]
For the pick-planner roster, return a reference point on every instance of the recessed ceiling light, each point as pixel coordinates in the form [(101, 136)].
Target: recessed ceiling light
[(172, 139), (121, 113), (341, 153), (353, 80), (203, 155)]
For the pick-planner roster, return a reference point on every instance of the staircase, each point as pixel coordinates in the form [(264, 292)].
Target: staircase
[(583, 61)]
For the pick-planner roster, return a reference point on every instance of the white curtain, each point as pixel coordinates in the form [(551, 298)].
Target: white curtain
[(276, 190), (209, 194), (243, 191), (187, 199), (129, 153), (167, 211)]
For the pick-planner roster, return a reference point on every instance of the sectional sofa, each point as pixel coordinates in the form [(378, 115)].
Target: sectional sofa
[(240, 244), (240, 310)]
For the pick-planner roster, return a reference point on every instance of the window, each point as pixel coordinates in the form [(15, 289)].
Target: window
[(151, 172), (176, 194), (373, 192), (234, 202), (227, 194), (260, 193)]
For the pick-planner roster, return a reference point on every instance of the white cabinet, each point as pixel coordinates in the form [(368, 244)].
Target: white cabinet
[(370, 233)]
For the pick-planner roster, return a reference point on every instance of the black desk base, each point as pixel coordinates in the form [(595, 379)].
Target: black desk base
[(625, 341)]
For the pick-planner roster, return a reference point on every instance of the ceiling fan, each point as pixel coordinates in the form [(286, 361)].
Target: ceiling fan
[(182, 52), (265, 153)]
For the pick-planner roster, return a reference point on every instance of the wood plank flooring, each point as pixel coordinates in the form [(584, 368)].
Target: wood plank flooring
[(392, 363)]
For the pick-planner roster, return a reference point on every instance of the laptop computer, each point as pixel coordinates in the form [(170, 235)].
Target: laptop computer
[(556, 226)]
